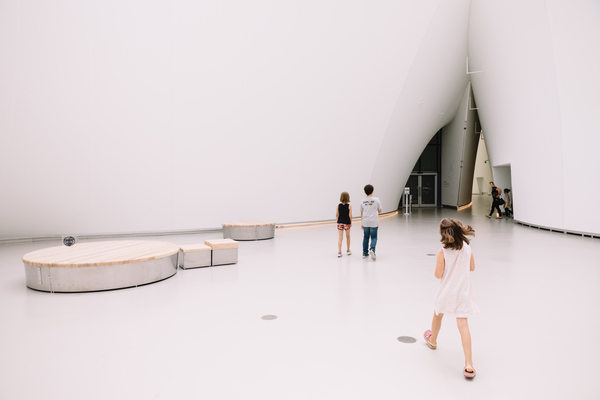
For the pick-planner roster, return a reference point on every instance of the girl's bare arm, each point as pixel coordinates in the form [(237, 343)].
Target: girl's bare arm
[(472, 263), (440, 264)]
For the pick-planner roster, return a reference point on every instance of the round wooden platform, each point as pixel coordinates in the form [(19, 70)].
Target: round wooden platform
[(98, 266)]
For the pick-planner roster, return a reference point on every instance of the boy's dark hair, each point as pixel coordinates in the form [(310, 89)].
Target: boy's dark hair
[(506, 190), (454, 233), (369, 190)]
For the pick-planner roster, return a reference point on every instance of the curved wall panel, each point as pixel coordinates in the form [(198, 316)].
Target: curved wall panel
[(122, 117), (429, 100), (538, 102), (459, 151)]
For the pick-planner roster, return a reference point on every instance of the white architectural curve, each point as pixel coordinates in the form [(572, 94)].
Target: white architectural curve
[(185, 114), (538, 102)]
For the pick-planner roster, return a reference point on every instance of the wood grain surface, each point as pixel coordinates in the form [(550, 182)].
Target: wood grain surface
[(100, 253), (248, 223), (220, 244), (194, 247)]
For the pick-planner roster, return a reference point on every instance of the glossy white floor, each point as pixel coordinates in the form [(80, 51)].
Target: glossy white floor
[(199, 335)]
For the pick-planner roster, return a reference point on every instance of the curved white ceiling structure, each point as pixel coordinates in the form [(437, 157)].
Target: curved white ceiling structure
[(121, 116)]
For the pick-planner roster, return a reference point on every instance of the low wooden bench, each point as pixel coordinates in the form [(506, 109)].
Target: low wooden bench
[(224, 251), (89, 267), (249, 230), (196, 256)]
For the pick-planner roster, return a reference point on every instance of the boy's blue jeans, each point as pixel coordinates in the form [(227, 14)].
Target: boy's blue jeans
[(369, 233)]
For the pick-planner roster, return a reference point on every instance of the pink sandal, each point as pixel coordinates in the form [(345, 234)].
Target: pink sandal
[(469, 375), (427, 335)]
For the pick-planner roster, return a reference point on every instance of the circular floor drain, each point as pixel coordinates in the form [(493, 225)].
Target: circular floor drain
[(269, 317), (407, 339)]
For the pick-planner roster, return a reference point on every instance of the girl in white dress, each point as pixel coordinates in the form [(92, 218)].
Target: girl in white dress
[(455, 296)]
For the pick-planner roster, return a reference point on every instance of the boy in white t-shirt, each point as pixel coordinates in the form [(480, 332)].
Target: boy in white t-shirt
[(370, 207)]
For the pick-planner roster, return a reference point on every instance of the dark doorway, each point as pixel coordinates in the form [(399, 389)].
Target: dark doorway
[(424, 181)]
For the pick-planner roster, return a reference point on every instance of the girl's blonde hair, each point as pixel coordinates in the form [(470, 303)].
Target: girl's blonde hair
[(454, 233), (345, 198)]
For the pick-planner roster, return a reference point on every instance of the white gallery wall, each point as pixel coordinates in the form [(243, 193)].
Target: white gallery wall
[(129, 116), (538, 101)]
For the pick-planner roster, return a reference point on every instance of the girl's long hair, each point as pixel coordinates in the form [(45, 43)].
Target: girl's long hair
[(345, 198), (454, 233)]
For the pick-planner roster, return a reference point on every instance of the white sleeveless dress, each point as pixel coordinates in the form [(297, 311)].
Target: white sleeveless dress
[(455, 296)]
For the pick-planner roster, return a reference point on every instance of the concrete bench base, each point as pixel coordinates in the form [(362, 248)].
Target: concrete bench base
[(225, 256)]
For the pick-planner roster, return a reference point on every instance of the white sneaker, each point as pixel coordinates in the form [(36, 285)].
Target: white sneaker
[(372, 254), (339, 254), (349, 253)]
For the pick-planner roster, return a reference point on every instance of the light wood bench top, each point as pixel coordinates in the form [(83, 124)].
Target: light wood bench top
[(100, 253), (194, 247), (248, 223), (221, 244)]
